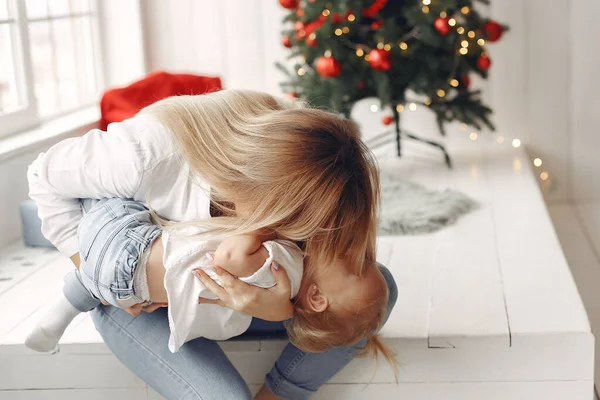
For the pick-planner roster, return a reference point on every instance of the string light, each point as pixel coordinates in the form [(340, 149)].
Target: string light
[(374, 108), (426, 2), (500, 139), (473, 136), (351, 17), (380, 45), (301, 71), (517, 164), (452, 22), (481, 42), (544, 176), (301, 33), (367, 57), (453, 82), (412, 106), (440, 93), (537, 162), (427, 101), (338, 32), (360, 52), (463, 126), (399, 108), (387, 47), (425, 10), (403, 46), (326, 12), (516, 143), (312, 36), (465, 10), (345, 29), (460, 30), (463, 51), (471, 34), (464, 43), (327, 53), (443, 14)]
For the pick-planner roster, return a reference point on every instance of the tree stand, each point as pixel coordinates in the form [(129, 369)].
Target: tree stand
[(396, 135)]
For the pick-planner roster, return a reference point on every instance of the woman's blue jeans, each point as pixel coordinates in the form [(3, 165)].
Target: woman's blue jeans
[(201, 370)]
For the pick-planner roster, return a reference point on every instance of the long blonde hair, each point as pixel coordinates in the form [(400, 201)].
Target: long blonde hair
[(304, 173)]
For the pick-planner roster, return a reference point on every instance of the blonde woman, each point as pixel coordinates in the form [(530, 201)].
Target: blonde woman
[(232, 162)]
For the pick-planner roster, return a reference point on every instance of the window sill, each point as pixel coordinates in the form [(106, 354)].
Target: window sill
[(74, 124)]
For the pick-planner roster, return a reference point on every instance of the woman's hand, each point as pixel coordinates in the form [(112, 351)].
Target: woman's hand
[(138, 308), (271, 304)]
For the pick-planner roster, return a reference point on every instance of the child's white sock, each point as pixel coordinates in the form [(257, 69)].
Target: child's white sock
[(51, 326)]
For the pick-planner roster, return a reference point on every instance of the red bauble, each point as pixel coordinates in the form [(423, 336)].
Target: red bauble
[(466, 81), (285, 41), (484, 62), (493, 30), (380, 59), (328, 67), (300, 30), (299, 12), (376, 24), (441, 25), (299, 25), (289, 4), (292, 95), (387, 120), (311, 41)]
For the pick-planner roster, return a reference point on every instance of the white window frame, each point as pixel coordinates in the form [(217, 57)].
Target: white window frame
[(27, 116)]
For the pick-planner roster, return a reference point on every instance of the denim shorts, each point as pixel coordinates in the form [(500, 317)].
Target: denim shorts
[(114, 236)]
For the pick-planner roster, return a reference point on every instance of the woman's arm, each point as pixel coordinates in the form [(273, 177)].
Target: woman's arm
[(96, 165)]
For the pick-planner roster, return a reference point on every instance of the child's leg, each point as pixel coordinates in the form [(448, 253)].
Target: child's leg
[(55, 320)]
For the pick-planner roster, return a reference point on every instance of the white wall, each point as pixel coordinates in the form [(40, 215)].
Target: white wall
[(541, 87)]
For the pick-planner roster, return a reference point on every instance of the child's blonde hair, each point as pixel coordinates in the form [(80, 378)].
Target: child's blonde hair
[(303, 173)]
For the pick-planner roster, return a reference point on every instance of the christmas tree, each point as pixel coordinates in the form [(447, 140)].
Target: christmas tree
[(346, 50)]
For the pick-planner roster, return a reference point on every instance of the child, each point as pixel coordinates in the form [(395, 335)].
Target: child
[(128, 260)]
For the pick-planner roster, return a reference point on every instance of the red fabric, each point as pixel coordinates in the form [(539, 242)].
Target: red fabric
[(121, 103)]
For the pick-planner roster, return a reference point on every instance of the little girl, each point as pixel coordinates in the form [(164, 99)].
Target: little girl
[(127, 259)]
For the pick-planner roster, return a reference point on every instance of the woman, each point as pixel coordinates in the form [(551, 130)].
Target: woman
[(191, 158)]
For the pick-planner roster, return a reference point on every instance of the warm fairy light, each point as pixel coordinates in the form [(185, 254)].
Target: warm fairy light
[(312, 36), (443, 14), (464, 43), (326, 13), (516, 143), (399, 108), (360, 52), (387, 47), (327, 53), (500, 139), (463, 51), (301, 33), (374, 108), (440, 93), (427, 101), (471, 34), (544, 176), (426, 2), (425, 10), (301, 71), (367, 57), (473, 136), (345, 29), (380, 45), (452, 22), (338, 32), (537, 162), (351, 17), (481, 42), (403, 46), (412, 106), (460, 30), (453, 82), (463, 126), (465, 10)]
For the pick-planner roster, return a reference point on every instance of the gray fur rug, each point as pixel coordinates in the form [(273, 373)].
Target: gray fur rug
[(408, 208)]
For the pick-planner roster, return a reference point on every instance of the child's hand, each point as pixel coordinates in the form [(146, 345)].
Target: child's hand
[(138, 308)]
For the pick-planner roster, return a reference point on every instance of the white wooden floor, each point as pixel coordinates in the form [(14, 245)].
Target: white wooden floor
[(578, 229)]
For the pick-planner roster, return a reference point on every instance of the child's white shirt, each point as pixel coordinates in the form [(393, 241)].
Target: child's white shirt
[(189, 320)]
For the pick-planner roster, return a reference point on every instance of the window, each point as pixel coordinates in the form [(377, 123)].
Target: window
[(49, 60)]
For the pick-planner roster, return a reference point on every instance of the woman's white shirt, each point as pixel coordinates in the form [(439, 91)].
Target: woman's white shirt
[(133, 159)]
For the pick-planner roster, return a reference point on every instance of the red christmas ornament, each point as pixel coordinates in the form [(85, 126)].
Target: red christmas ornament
[(286, 42), (299, 25), (311, 41), (299, 12), (328, 67), (289, 4), (300, 31), (484, 62), (386, 120), (466, 81), (380, 59), (376, 24), (493, 30), (441, 25), (292, 95)]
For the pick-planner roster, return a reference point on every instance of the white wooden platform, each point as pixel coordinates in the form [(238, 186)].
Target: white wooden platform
[(487, 308)]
